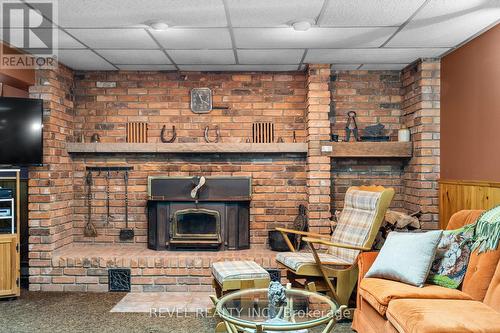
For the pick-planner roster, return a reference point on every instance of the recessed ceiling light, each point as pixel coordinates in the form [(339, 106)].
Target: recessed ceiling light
[(158, 25), (301, 25)]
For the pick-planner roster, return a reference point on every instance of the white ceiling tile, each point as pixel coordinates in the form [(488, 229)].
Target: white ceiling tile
[(115, 38), (383, 67), (147, 67), (83, 60), (204, 57), (194, 38), (313, 38), (128, 13), (345, 67), (265, 13), (331, 56), (135, 57), (284, 56), (368, 13), (68, 42), (255, 68), (446, 23)]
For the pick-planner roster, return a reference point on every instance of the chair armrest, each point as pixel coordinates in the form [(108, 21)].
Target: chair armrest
[(328, 243), (303, 233), (365, 261)]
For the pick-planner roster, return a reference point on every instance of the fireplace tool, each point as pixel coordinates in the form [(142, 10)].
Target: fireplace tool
[(127, 233), (89, 230)]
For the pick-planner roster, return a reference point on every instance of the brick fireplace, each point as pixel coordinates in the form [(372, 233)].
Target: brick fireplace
[(298, 103)]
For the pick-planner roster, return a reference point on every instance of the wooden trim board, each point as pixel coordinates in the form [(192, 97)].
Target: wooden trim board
[(367, 149), (455, 195), (179, 148)]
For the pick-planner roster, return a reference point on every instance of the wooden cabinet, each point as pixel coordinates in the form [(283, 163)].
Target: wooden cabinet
[(9, 266), (9, 241)]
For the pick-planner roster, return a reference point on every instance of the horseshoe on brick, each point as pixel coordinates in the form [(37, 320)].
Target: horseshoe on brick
[(162, 136), (217, 134)]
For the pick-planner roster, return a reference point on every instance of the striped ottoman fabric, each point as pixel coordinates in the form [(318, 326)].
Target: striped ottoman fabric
[(238, 270)]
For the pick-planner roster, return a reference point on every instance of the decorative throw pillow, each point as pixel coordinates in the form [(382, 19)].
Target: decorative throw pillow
[(406, 257), (452, 256)]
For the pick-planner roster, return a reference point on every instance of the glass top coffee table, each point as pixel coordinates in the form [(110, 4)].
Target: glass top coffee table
[(249, 310)]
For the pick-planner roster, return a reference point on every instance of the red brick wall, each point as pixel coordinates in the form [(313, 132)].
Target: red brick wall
[(421, 113), (318, 130), (50, 186), (105, 101), (375, 96)]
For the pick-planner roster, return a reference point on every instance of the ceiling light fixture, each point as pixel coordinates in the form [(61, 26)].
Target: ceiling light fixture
[(158, 25), (301, 25)]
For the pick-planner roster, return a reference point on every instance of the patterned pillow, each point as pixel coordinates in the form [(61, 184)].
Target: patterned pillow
[(452, 256)]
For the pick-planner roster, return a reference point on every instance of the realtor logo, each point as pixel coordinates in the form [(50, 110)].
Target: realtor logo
[(29, 27)]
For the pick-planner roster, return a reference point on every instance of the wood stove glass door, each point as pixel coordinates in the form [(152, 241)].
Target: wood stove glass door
[(193, 224)]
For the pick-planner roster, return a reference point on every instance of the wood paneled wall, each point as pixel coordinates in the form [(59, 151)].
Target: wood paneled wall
[(455, 195)]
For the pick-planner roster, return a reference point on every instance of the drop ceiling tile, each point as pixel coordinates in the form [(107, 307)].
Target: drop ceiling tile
[(255, 68), (265, 13), (129, 13), (83, 60), (202, 57), (313, 38), (391, 56), (368, 13), (147, 67), (135, 57), (68, 42), (284, 56), (447, 23), (383, 67), (194, 38), (345, 67), (114, 38)]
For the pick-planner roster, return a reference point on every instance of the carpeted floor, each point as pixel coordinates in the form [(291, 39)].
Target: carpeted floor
[(89, 312)]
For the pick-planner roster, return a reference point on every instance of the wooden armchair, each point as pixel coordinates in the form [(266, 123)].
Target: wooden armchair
[(359, 222)]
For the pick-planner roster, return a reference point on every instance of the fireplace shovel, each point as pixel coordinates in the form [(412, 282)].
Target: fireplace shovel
[(127, 233)]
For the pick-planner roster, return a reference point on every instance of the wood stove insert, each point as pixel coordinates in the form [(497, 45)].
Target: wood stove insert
[(190, 213)]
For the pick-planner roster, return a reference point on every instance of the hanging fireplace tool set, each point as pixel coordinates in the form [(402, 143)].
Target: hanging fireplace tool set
[(90, 229)]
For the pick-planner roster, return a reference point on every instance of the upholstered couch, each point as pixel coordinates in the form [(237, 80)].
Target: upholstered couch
[(389, 306)]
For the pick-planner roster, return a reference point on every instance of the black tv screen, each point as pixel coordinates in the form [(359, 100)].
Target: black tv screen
[(21, 131)]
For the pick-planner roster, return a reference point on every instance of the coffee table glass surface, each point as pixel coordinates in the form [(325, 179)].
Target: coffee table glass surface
[(250, 308)]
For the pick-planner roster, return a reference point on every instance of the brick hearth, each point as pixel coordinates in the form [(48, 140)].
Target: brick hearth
[(83, 267)]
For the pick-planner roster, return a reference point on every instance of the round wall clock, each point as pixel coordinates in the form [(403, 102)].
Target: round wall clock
[(201, 100)]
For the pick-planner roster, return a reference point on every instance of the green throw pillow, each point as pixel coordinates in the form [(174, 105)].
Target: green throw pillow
[(452, 256)]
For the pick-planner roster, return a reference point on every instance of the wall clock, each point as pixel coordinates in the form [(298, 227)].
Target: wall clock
[(201, 100)]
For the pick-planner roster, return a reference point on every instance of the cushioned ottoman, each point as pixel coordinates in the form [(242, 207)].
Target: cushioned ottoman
[(236, 275)]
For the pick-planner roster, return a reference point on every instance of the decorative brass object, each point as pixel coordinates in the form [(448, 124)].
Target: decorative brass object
[(137, 132), (351, 126), (172, 138), (95, 138), (263, 132), (217, 134)]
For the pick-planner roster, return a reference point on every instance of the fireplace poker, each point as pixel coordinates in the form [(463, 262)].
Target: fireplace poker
[(89, 230), (127, 233)]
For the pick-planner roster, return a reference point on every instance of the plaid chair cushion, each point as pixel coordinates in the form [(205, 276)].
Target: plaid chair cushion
[(355, 222), (238, 270), (295, 260)]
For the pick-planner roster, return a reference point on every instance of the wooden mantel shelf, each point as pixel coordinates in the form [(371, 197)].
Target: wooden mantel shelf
[(367, 149), (186, 148)]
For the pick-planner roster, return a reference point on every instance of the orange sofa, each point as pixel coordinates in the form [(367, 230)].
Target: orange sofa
[(389, 306)]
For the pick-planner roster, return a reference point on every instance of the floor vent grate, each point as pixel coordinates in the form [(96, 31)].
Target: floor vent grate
[(119, 279)]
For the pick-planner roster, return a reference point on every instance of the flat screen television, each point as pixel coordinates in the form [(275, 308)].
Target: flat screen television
[(21, 131)]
